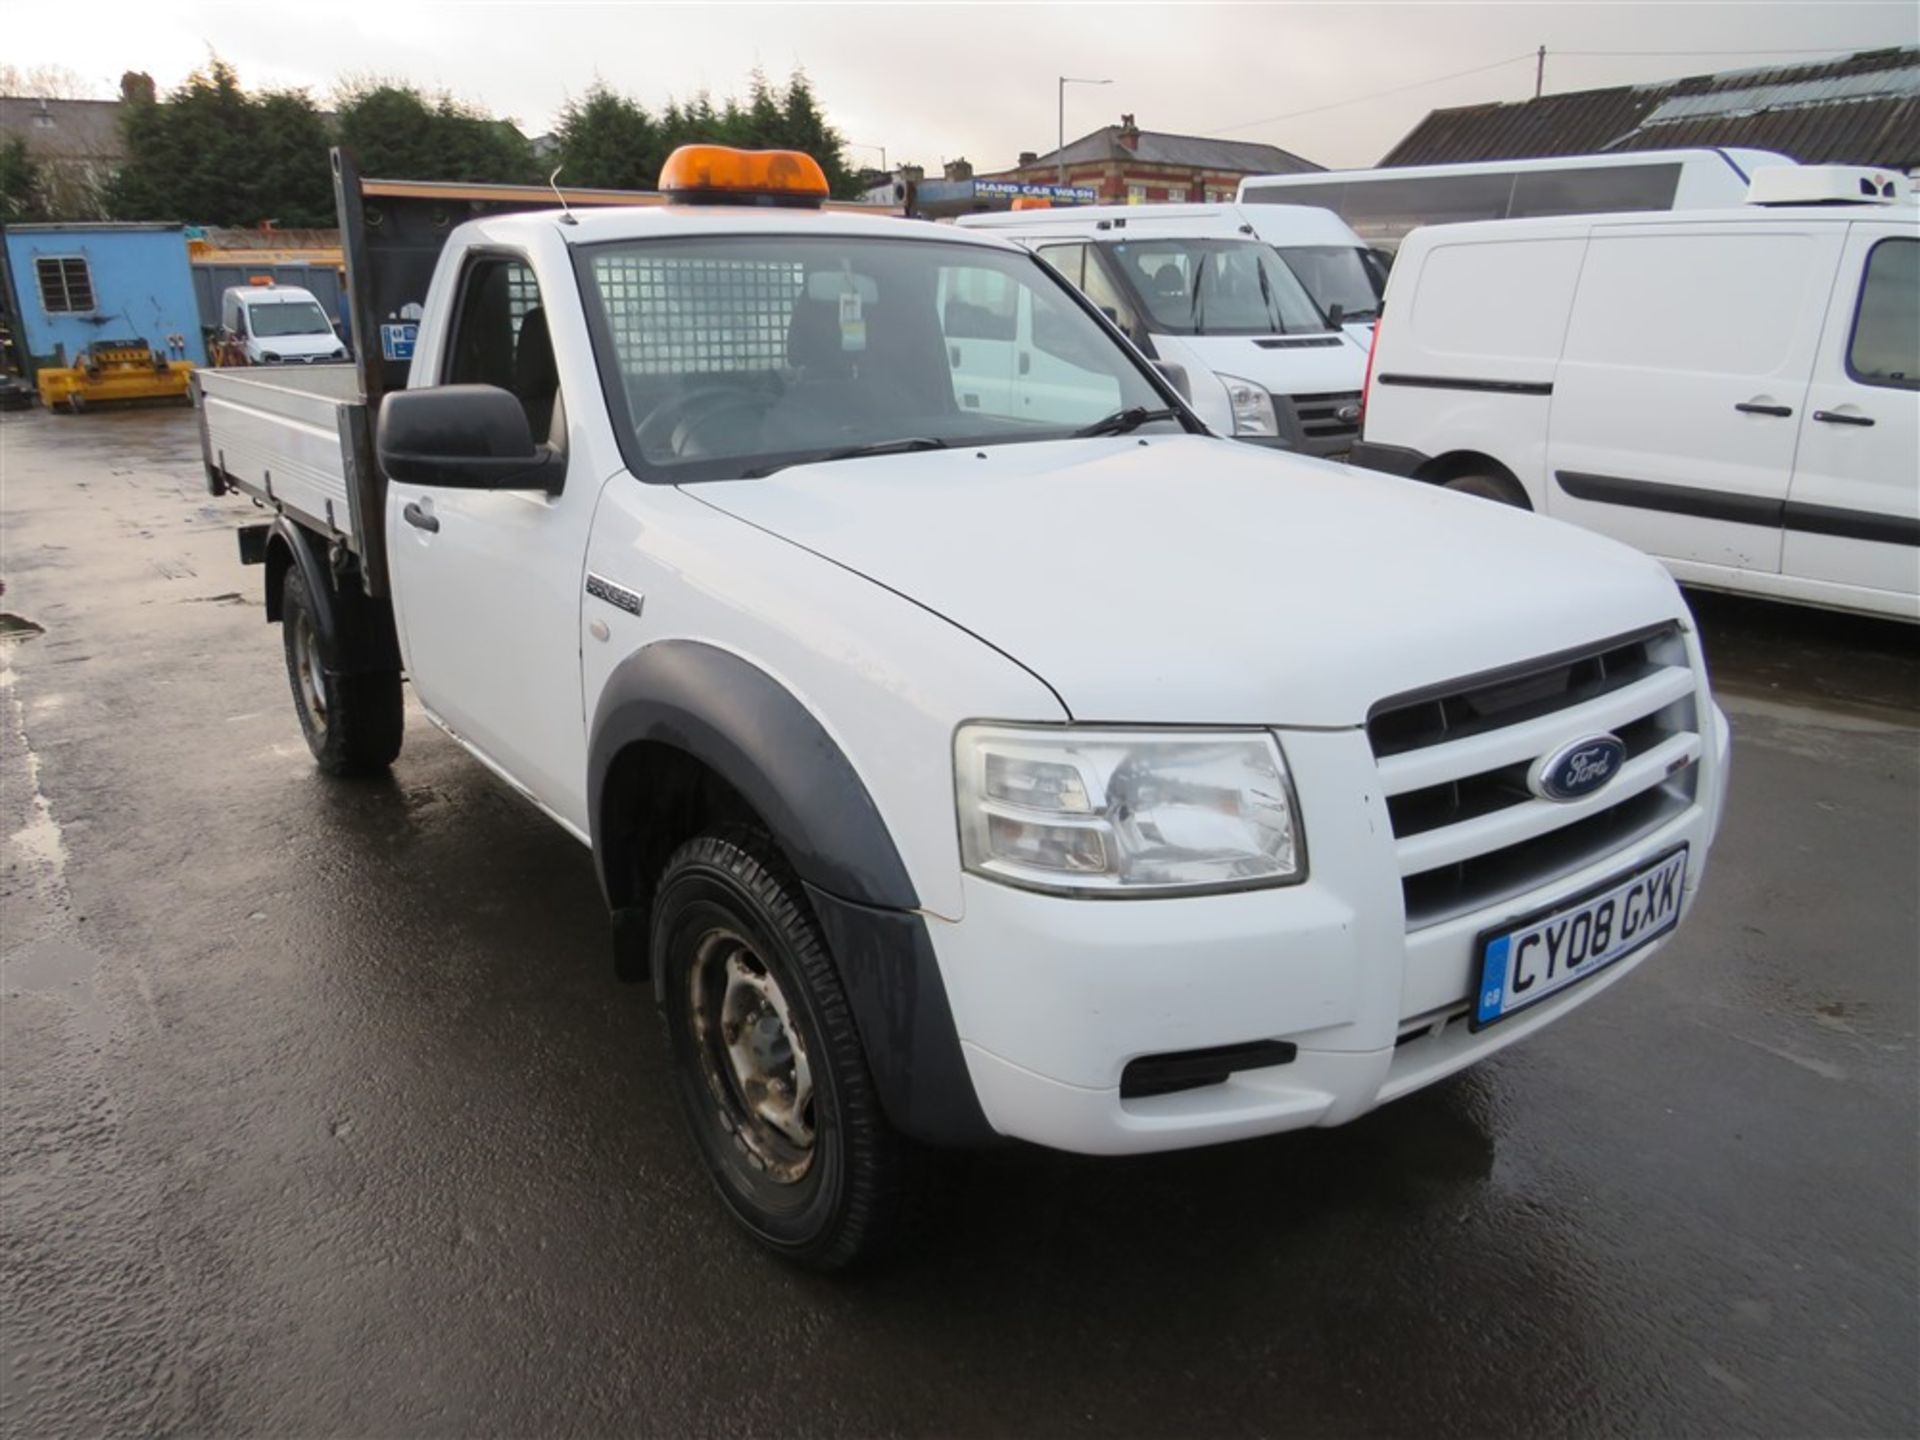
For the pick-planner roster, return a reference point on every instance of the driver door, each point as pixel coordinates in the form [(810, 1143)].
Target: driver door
[(488, 582)]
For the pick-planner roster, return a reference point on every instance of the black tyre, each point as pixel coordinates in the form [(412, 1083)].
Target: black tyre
[(1490, 487), (353, 723), (772, 1078)]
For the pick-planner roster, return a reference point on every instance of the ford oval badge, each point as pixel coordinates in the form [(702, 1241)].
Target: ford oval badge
[(1575, 771)]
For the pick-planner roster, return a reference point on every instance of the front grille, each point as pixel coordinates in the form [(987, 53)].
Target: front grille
[(1454, 762), (1319, 417)]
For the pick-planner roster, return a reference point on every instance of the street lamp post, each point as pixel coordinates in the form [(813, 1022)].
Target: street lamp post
[(1060, 149), (868, 145)]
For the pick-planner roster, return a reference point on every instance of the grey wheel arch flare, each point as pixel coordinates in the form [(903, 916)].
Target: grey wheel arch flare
[(745, 727)]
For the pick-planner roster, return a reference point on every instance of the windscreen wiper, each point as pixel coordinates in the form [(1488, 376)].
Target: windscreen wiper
[(1121, 421), (852, 452)]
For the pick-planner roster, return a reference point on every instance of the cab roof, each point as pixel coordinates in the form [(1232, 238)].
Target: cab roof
[(650, 222)]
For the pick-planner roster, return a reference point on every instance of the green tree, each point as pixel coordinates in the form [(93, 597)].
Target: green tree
[(211, 154), (20, 187), (806, 128), (607, 142), (396, 131)]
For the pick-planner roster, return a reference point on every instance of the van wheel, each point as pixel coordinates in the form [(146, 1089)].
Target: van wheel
[(1490, 487), (771, 1075), (353, 723)]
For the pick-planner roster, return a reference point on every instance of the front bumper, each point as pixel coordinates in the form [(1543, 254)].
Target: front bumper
[(1052, 998)]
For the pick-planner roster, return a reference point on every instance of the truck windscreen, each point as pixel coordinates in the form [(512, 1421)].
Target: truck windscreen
[(736, 355)]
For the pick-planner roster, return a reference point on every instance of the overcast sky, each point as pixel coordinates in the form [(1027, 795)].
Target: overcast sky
[(932, 82)]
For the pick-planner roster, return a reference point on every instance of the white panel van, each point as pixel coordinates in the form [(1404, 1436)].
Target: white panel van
[(277, 325), (1199, 292), (1734, 391)]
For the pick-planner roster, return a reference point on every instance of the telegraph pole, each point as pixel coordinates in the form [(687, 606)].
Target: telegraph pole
[(1540, 72)]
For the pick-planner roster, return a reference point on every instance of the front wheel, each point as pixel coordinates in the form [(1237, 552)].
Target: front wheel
[(771, 1075), (353, 723), (1491, 487)]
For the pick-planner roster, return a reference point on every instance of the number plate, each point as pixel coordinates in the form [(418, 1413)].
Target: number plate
[(1520, 965)]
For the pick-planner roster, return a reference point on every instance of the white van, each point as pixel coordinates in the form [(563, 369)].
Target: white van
[(1344, 276), (276, 325), (1195, 289), (1734, 391)]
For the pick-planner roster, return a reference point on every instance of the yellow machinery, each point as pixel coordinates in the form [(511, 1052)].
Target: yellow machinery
[(118, 370)]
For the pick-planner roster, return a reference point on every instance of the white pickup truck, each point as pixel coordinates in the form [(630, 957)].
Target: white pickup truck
[(1059, 772)]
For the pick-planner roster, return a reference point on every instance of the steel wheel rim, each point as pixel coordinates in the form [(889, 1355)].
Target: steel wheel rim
[(753, 1056), (308, 672)]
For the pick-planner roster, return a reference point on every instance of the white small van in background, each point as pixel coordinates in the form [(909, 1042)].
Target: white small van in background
[(1734, 391), (1195, 289), (276, 325)]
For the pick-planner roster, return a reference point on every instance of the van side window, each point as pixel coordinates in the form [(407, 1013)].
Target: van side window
[(1100, 289), (500, 338), (1885, 345), (1069, 260), (1080, 265)]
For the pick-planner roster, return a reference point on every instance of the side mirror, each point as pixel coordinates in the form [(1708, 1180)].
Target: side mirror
[(1336, 315), (464, 437), (1176, 375)]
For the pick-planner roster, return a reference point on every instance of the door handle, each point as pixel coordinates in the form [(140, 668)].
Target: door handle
[(1026, 362), (420, 519), (1834, 417), (1754, 407)]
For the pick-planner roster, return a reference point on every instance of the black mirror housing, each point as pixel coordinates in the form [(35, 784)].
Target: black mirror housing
[(1176, 376), (463, 437), (1336, 315)]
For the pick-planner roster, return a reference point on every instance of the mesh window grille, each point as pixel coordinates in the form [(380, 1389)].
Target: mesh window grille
[(673, 315), (523, 294)]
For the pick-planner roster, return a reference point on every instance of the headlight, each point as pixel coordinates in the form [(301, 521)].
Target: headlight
[(1252, 407), (1091, 811)]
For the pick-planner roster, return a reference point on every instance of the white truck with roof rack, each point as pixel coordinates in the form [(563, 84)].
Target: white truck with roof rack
[(1048, 769), (1734, 391), (1208, 299)]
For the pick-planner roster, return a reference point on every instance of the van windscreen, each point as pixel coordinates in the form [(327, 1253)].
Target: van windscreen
[(291, 317), (1340, 275), (1216, 287)]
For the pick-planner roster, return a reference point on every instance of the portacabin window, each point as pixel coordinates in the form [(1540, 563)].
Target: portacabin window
[(1884, 348), (66, 284)]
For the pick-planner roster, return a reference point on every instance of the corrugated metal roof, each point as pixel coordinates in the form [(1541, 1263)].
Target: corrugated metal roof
[(1863, 109)]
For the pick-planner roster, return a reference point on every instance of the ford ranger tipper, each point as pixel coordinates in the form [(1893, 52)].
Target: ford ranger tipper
[(958, 762)]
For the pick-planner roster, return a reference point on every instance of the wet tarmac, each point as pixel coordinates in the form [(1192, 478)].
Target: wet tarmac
[(323, 1113)]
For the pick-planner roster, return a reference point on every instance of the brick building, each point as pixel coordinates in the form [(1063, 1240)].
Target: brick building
[(1126, 164)]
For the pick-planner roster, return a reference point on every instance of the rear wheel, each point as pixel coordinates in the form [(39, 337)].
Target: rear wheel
[(1490, 487), (771, 1075), (353, 723)]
